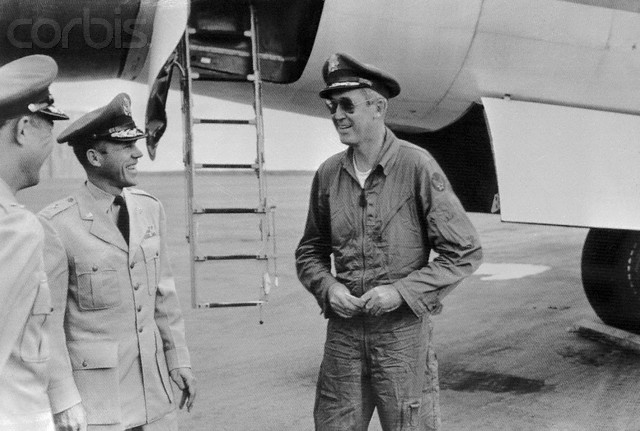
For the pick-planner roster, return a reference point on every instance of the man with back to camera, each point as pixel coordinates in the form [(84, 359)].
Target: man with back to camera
[(27, 114), (123, 325), (379, 208)]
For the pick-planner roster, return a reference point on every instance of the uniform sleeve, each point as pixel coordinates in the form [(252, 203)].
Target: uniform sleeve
[(450, 234), (62, 390), (313, 255), (168, 315), (21, 260)]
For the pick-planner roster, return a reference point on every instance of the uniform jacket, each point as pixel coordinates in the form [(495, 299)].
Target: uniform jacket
[(123, 325), (384, 233), (25, 307)]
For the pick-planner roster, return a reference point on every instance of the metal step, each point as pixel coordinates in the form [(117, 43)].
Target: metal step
[(210, 75), (230, 304), (225, 166), (251, 122), (232, 257), (230, 211)]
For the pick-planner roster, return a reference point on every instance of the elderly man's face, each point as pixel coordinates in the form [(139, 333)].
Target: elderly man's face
[(353, 115)]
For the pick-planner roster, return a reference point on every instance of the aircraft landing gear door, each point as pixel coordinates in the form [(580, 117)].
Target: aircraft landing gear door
[(218, 244), (568, 166)]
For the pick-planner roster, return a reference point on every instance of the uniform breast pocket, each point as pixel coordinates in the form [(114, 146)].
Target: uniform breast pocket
[(151, 251), (342, 226), (98, 286), (34, 346)]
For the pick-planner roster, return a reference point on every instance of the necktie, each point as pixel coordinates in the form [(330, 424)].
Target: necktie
[(123, 218)]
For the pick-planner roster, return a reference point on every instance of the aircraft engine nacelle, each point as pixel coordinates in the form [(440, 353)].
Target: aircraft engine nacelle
[(88, 39)]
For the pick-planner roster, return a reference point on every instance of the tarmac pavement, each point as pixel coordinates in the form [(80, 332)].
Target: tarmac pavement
[(507, 358)]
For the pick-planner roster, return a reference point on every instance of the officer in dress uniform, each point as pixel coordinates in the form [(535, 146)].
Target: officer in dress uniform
[(26, 121), (124, 329)]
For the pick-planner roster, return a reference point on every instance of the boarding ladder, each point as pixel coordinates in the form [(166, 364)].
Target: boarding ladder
[(266, 256)]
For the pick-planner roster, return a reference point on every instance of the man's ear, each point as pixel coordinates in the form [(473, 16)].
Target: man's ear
[(21, 129), (381, 107), (94, 157)]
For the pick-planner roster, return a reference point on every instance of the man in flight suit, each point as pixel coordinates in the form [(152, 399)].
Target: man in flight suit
[(379, 208), (124, 329), (26, 122)]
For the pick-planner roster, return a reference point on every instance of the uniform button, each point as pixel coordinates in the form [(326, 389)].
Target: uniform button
[(137, 286), (84, 363), (132, 265), (140, 330), (139, 308), (95, 268)]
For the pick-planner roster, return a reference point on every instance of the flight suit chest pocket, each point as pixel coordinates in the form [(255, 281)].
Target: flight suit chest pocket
[(151, 251), (34, 346), (98, 286)]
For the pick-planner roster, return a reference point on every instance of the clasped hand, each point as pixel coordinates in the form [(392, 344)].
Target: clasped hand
[(379, 300)]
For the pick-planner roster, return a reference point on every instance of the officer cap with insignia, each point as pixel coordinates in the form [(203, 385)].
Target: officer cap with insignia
[(112, 123), (24, 88), (342, 72)]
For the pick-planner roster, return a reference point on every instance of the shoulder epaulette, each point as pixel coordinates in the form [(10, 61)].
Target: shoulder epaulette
[(142, 193), (57, 207)]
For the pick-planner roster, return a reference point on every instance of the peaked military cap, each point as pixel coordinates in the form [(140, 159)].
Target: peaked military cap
[(24, 88), (112, 122), (343, 72)]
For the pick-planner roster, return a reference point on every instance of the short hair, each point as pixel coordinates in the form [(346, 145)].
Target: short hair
[(370, 93), (80, 150)]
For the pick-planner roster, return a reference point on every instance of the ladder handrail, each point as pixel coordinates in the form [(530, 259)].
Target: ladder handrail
[(267, 224), (188, 158)]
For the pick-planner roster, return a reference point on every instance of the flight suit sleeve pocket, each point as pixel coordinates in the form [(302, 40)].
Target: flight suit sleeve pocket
[(98, 286), (452, 227), (96, 375)]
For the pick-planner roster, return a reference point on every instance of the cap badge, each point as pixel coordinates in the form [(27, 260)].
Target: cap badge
[(333, 63), (126, 109)]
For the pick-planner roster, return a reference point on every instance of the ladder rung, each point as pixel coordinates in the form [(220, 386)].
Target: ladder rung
[(229, 211), (232, 257), (213, 121), (198, 75), (230, 304), (225, 166)]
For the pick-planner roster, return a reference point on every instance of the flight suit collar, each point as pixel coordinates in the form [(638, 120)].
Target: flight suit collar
[(386, 156), (94, 209)]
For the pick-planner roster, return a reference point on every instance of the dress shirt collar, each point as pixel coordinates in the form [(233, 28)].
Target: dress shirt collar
[(104, 200), (6, 194)]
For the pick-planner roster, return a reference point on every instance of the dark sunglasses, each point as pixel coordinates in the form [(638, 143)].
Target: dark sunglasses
[(345, 104)]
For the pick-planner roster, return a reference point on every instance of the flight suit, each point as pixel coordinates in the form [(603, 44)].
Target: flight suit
[(383, 234), (123, 325), (25, 308)]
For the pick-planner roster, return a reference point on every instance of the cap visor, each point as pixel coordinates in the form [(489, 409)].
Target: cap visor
[(342, 86), (127, 135), (53, 113)]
